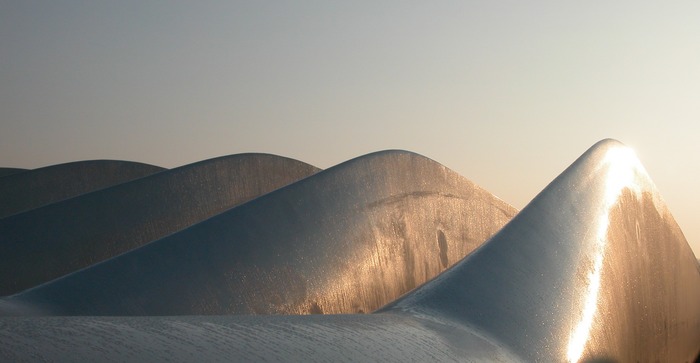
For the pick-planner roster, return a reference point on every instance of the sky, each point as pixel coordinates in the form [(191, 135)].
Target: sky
[(506, 93)]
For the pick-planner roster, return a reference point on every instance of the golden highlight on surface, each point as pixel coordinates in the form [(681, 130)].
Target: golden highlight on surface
[(623, 166)]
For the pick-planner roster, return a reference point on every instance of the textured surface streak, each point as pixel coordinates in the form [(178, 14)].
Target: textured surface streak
[(349, 239), (49, 242), (34, 188), (9, 171), (317, 338), (595, 269)]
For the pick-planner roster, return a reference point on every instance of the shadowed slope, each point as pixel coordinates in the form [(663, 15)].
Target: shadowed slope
[(348, 239), (49, 242), (34, 188), (9, 171), (240, 338), (593, 269)]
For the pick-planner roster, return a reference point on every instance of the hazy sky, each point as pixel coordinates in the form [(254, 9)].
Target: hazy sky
[(506, 93)]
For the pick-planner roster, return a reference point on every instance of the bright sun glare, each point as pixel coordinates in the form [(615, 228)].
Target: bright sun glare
[(622, 166)]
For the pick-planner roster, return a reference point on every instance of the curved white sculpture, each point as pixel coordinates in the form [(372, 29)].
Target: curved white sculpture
[(51, 241), (593, 269), (348, 239)]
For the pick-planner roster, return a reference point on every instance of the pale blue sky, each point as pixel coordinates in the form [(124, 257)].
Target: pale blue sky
[(507, 93)]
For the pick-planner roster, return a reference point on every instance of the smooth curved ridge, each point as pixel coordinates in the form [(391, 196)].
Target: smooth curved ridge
[(348, 239), (26, 190), (593, 269), (46, 243)]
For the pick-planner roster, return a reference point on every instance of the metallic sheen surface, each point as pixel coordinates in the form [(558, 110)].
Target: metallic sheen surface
[(594, 269), (349, 239), (48, 242), (31, 189)]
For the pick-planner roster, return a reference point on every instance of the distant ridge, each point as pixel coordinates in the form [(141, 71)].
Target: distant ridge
[(48, 242), (34, 188), (9, 171), (348, 239)]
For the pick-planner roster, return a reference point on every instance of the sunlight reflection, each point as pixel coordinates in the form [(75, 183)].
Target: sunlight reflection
[(622, 165)]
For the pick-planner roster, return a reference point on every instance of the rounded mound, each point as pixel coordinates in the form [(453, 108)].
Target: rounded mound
[(349, 239), (31, 189), (49, 242)]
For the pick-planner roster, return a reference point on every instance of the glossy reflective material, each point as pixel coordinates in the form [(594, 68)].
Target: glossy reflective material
[(46, 243), (594, 268), (31, 189), (346, 240)]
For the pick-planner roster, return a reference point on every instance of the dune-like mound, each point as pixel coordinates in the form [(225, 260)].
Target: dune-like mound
[(31, 189), (9, 171), (349, 239), (54, 240), (594, 269)]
